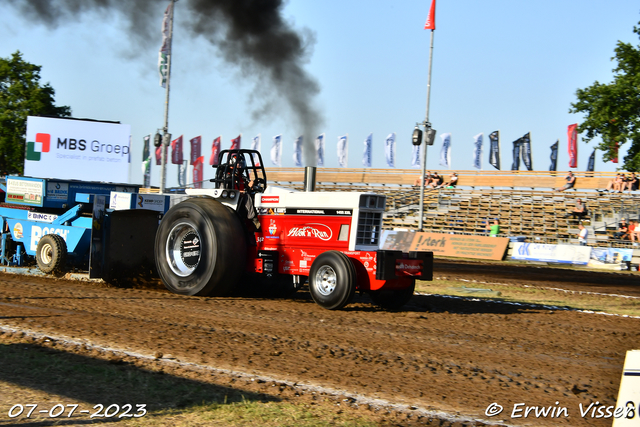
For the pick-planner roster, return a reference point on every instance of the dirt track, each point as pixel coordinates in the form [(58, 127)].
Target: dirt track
[(453, 355)]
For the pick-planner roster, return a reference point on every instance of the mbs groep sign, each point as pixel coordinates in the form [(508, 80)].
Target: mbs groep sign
[(77, 149)]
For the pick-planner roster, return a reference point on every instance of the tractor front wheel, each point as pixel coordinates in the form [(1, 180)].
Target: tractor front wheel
[(332, 280)]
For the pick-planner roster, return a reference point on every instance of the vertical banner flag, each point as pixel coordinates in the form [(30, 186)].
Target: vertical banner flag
[(276, 151), (591, 166), (197, 172), (176, 151), (615, 159), (516, 155), (525, 151), (366, 156), (146, 161), (445, 151), (431, 18), (159, 155), (477, 151), (196, 144), (215, 151), (343, 150), (320, 150), (297, 151), (255, 145), (182, 174), (415, 156), (390, 150), (235, 143), (165, 49), (554, 156), (494, 154), (572, 134)]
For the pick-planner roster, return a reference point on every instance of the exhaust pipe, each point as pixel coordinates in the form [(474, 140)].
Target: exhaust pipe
[(310, 178)]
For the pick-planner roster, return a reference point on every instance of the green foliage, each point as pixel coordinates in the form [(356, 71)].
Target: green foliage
[(613, 110), (21, 95)]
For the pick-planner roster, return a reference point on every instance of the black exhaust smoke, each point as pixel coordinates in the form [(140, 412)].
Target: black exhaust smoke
[(250, 34)]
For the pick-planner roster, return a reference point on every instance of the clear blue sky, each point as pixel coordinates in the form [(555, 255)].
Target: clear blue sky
[(501, 65)]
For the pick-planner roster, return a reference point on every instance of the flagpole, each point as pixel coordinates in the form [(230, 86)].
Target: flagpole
[(427, 126), (167, 136)]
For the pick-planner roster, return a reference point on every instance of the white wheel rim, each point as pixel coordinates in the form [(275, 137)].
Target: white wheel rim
[(325, 280), (183, 249), (46, 253)]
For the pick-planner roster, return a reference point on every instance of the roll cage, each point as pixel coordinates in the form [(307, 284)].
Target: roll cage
[(230, 177)]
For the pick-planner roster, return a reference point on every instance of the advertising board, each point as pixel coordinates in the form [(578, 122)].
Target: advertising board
[(77, 149), (451, 245), (562, 254), (25, 191), (610, 258)]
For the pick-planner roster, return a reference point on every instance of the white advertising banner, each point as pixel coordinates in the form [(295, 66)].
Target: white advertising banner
[(563, 254), (77, 149)]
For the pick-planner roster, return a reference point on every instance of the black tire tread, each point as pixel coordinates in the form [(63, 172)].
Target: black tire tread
[(58, 258), (347, 279), (224, 228)]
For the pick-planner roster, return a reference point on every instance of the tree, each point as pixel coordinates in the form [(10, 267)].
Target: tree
[(21, 95), (613, 110)]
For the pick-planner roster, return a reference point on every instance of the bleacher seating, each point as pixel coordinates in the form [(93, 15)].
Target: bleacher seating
[(524, 201)]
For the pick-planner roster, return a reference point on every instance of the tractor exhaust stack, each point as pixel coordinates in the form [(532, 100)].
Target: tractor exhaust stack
[(310, 178)]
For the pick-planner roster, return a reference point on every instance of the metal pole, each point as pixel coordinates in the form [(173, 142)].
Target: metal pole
[(427, 126), (165, 129)]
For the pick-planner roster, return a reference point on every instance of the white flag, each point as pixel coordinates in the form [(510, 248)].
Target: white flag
[(182, 174), (445, 152), (415, 156), (366, 156), (165, 49), (255, 145), (343, 150), (276, 151), (390, 150), (320, 150), (297, 151), (477, 151)]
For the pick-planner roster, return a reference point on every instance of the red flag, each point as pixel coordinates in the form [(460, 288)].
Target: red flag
[(235, 143), (159, 155), (195, 148), (176, 151), (215, 150), (197, 172), (431, 18), (572, 134), (615, 159)]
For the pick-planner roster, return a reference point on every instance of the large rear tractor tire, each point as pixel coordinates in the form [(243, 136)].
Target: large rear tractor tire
[(393, 299), (200, 248), (51, 254), (332, 280)]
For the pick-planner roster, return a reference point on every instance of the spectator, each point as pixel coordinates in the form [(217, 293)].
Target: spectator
[(494, 229), (616, 184), (427, 179), (623, 230), (436, 180), (571, 181), (633, 230), (631, 183), (579, 211), (582, 235), (453, 180)]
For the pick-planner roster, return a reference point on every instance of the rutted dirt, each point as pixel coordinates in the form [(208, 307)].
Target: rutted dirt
[(440, 353)]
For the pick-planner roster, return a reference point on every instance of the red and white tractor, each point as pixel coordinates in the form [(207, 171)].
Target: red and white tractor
[(210, 242)]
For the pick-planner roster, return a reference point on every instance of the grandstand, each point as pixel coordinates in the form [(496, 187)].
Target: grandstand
[(524, 201)]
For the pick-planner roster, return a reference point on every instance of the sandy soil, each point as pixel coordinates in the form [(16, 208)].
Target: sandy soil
[(440, 353)]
